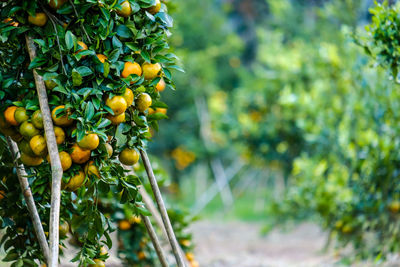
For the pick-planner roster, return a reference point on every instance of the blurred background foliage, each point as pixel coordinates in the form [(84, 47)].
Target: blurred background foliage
[(286, 98)]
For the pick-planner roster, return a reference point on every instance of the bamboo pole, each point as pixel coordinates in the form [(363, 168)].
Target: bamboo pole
[(155, 241), (56, 169), (163, 211), (30, 202)]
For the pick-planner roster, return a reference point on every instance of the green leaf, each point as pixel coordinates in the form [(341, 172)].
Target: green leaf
[(76, 78), (70, 40), (146, 56), (84, 71), (37, 62)]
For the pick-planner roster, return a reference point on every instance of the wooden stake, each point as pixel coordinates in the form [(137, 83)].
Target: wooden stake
[(30, 202), (56, 169), (155, 241), (163, 211)]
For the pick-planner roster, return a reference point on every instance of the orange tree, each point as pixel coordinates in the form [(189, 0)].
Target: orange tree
[(103, 64)]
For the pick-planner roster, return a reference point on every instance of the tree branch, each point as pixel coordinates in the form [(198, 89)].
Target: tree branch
[(155, 241), (56, 169), (82, 26), (30, 202), (163, 211)]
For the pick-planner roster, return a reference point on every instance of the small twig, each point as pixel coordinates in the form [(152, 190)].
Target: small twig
[(51, 17), (77, 16), (30, 202), (155, 241), (163, 211), (56, 169)]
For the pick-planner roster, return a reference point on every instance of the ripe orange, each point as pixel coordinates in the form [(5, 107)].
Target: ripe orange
[(89, 142), (125, 10), (394, 206), (37, 119), (129, 156), (150, 71), (91, 169), (109, 149), (82, 46), (11, 21), (28, 130), (124, 225), (157, 110), (131, 68), (160, 85), (143, 102), (141, 255), (99, 263), (129, 96), (9, 115), (115, 120), (60, 135), (2, 194), (156, 8), (66, 161), (117, 104), (190, 256), (40, 19), (185, 242), (24, 147), (76, 181), (63, 229), (101, 57), (61, 120), (79, 155), (20, 115), (38, 145), (135, 219), (194, 263), (30, 161), (56, 4)]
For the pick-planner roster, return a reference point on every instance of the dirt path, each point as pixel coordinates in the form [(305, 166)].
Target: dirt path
[(237, 244)]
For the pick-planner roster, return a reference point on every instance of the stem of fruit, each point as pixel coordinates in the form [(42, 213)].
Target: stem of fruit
[(30, 202), (163, 211), (155, 241), (56, 168)]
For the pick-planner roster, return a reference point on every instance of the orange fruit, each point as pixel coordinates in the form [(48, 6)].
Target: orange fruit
[(30, 161), (394, 206), (91, 169), (135, 219), (194, 263), (20, 115), (109, 149), (60, 135), (129, 96), (115, 120), (9, 115), (61, 120), (38, 145), (150, 71), (89, 142), (37, 119), (76, 181), (11, 21), (157, 110), (28, 130), (185, 242), (56, 4), (160, 85), (82, 46), (24, 147), (40, 19), (79, 155), (99, 263), (63, 229), (124, 225), (141, 255), (131, 68), (156, 8), (2, 194), (101, 57), (103, 251), (117, 104), (143, 102), (125, 10), (129, 156), (66, 161), (190, 256)]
